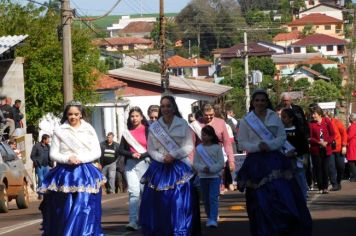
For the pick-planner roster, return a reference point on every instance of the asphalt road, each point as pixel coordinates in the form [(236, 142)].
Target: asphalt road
[(333, 214)]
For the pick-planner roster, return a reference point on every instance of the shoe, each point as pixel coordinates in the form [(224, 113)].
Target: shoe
[(211, 224), (132, 227), (353, 179), (325, 191), (320, 191), (336, 188)]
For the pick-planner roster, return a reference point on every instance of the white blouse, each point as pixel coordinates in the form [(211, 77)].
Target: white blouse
[(81, 142), (249, 141), (179, 130)]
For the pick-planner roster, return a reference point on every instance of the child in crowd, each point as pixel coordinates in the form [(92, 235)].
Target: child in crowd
[(13, 146), (297, 138), (209, 163)]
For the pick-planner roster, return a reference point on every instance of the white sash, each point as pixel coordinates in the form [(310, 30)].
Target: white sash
[(195, 126), (204, 156), (69, 139), (163, 137), (265, 134), (133, 142)]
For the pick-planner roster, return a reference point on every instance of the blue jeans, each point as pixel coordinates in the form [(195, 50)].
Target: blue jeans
[(336, 168), (134, 170), (109, 171), (41, 172), (210, 188)]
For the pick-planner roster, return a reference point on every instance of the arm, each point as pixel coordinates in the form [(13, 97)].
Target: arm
[(55, 152), (219, 165), (155, 155), (244, 139), (227, 145), (312, 139), (124, 149), (331, 131), (343, 133), (277, 142)]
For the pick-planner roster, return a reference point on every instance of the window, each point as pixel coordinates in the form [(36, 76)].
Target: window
[(294, 28), (327, 27), (329, 48), (311, 2), (297, 50)]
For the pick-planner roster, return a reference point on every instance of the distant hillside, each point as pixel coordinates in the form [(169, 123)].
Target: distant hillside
[(109, 20)]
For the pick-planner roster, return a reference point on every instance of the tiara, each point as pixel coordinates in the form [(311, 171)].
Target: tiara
[(74, 103)]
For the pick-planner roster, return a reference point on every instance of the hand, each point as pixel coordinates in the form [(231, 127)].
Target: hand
[(136, 155), (73, 160), (343, 150), (263, 147), (232, 166), (323, 143), (206, 169), (168, 159)]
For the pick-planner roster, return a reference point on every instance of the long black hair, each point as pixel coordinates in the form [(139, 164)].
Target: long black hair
[(291, 114), (259, 92), (143, 121), (73, 103), (210, 131), (173, 103)]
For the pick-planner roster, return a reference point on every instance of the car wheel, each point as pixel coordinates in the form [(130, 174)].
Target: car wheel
[(23, 198), (4, 200)]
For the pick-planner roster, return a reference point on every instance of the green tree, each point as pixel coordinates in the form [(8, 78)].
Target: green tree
[(322, 91), (264, 64), (43, 58), (152, 66), (319, 68), (335, 76), (301, 85)]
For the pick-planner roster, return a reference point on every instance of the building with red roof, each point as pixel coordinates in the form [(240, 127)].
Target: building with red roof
[(325, 44), (320, 23), (285, 39), (194, 67), (123, 43)]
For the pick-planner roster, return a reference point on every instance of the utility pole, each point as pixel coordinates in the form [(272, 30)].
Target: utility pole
[(162, 40), (247, 86), (66, 20)]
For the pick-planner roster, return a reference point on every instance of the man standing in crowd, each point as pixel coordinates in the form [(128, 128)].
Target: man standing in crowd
[(41, 159), (109, 156), (18, 116)]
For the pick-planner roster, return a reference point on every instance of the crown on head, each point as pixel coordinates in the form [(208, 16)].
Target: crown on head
[(74, 103)]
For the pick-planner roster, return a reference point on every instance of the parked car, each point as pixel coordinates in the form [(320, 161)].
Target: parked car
[(13, 180)]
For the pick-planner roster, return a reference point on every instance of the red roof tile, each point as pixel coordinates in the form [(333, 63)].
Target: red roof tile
[(318, 60), (178, 61), (287, 36), (315, 19), (121, 41), (319, 39), (105, 82), (254, 49)]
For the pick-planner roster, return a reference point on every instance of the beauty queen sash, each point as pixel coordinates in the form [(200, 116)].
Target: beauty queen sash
[(71, 140), (263, 132), (208, 161), (163, 137), (195, 126), (133, 142)]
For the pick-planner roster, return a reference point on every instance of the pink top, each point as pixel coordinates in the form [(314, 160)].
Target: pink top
[(219, 126), (139, 133)]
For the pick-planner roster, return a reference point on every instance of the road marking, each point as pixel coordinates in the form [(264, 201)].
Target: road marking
[(12, 228)]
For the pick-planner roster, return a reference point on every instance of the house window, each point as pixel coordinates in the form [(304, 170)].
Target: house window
[(311, 2), (338, 29), (319, 47), (330, 48), (297, 50), (327, 27), (294, 28)]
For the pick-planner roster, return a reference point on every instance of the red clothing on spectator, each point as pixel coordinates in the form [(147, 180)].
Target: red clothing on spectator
[(328, 133), (340, 134), (351, 142)]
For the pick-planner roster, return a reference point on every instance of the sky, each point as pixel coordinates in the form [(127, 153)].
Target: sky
[(125, 7)]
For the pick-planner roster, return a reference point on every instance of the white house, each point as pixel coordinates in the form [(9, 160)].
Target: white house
[(325, 44), (124, 21), (311, 75), (144, 89), (323, 8)]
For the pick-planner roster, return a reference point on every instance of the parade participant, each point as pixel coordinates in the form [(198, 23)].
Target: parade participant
[(166, 207), (209, 162), (134, 149), (152, 113), (298, 139), (13, 145), (72, 199), (41, 160), (108, 159), (274, 201), (351, 147), (321, 136)]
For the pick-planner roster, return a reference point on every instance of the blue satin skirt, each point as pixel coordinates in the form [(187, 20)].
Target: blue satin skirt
[(72, 201), (274, 200), (166, 206)]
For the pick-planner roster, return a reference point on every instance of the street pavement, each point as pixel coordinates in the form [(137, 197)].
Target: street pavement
[(333, 214)]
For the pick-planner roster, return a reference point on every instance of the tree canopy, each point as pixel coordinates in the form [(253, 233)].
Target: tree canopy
[(43, 58)]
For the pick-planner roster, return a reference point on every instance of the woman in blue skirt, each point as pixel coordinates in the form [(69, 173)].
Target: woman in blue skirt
[(72, 190), (274, 200), (166, 205)]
